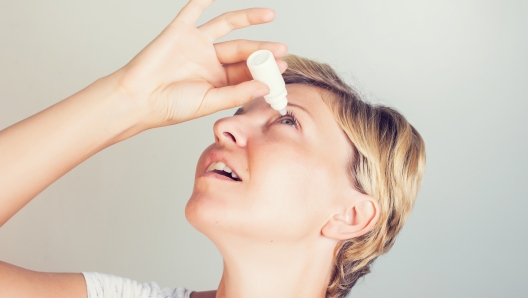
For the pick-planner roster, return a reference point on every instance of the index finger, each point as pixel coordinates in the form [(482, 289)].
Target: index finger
[(229, 21), (239, 50), (192, 11)]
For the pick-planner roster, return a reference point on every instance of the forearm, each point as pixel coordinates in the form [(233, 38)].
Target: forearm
[(40, 149)]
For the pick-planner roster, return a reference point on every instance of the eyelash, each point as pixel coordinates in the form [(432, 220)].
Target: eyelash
[(291, 116)]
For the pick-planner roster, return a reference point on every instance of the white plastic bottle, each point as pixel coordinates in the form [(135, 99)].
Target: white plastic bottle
[(264, 68)]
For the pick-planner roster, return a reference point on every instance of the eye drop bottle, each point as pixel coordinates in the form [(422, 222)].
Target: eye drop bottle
[(264, 68)]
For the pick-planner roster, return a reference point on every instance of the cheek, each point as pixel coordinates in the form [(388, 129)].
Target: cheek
[(287, 194), (279, 171)]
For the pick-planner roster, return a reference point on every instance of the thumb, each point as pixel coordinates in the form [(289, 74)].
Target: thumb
[(232, 96)]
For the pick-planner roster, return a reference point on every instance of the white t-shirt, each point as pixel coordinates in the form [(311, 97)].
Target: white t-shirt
[(109, 286)]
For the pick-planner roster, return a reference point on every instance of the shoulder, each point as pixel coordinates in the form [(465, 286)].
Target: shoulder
[(110, 286)]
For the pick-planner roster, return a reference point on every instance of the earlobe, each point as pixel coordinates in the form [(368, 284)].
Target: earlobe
[(356, 220)]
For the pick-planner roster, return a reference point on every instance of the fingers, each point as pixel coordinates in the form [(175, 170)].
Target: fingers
[(192, 11), (231, 96), (233, 55), (239, 50), (239, 72), (227, 22)]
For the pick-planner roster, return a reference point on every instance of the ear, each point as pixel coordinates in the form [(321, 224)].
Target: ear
[(355, 220)]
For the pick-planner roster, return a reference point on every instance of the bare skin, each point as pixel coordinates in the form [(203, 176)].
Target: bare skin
[(276, 229), (181, 75)]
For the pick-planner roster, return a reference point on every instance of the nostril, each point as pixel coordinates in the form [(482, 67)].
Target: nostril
[(230, 135)]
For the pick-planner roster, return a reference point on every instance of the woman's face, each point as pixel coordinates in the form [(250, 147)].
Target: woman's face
[(292, 176)]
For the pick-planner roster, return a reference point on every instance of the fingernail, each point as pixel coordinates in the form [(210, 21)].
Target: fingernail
[(260, 92)]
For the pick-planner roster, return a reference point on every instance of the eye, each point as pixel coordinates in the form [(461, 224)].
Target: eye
[(289, 119)]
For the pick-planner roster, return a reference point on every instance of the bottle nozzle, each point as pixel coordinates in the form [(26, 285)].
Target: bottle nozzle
[(283, 112)]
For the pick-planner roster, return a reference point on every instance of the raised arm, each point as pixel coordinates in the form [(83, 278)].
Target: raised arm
[(40, 149), (179, 76)]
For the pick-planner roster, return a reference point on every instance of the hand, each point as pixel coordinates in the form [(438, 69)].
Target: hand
[(182, 75)]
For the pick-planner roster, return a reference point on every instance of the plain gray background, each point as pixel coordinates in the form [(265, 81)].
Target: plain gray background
[(456, 69)]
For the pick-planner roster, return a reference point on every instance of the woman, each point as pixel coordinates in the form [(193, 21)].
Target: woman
[(298, 205)]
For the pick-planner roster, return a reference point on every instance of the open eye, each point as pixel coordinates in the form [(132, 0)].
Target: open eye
[(289, 119), (284, 121)]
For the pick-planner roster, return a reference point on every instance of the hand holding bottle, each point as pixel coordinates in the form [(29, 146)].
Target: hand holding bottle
[(179, 76), (182, 75)]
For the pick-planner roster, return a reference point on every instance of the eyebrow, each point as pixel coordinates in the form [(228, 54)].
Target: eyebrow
[(241, 110), (302, 108)]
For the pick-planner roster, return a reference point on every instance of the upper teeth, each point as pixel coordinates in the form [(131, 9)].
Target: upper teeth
[(222, 167)]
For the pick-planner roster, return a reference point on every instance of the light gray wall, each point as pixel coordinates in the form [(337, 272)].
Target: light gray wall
[(456, 69)]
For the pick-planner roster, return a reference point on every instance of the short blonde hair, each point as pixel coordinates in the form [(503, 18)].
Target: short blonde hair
[(388, 164)]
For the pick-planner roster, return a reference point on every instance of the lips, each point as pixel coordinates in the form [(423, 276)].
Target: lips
[(217, 156), (222, 169)]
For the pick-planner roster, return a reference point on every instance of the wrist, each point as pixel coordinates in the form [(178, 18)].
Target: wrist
[(123, 116)]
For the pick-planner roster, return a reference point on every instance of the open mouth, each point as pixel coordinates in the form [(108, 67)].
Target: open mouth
[(223, 173), (221, 168)]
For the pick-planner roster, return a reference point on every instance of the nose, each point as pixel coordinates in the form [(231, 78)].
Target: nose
[(229, 131)]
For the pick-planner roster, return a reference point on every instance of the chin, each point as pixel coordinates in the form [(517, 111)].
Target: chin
[(194, 212), (204, 212)]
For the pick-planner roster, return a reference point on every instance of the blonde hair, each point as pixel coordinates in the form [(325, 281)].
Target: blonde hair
[(388, 164)]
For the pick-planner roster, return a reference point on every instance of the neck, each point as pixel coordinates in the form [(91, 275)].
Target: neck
[(260, 270)]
